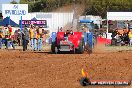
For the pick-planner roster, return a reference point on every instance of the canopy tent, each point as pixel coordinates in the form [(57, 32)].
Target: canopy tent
[(6, 22), (86, 21), (34, 18), (117, 16)]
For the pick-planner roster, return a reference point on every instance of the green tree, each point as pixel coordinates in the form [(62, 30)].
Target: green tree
[(92, 7)]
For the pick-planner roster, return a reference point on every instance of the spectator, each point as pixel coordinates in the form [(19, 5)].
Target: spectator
[(39, 38), (96, 27), (118, 39), (86, 29), (31, 36), (114, 33), (67, 33), (1, 36), (130, 37), (34, 38), (25, 38), (9, 38), (6, 41), (45, 32), (125, 37), (19, 37), (114, 40), (43, 36)]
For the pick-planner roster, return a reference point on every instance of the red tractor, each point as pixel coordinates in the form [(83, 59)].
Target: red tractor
[(67, 41)]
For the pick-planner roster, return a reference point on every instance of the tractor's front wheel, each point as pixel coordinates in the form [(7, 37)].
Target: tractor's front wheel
[(74, 50), (56, 50)]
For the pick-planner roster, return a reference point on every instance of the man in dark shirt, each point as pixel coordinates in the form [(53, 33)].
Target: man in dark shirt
[(25, 38), (1, 36), (114, 40), (114, 33), (125, 37)]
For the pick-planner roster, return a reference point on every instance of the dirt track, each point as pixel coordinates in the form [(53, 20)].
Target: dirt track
[(44, 70)]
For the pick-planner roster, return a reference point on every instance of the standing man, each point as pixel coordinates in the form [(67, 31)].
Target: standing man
[(39, 38), (10, 38), (1, 36), (33, 37), (25, 38), (19, 37), (130, 38)]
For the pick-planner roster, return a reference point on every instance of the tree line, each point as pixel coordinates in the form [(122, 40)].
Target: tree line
[(94, 7)]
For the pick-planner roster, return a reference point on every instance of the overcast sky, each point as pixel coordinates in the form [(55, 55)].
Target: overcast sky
[(6, 2)]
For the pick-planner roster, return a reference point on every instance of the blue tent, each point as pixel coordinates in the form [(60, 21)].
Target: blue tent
[(34, 18), (5, 22), (86, 21)]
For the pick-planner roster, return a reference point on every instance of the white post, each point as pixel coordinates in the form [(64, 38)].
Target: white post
[(107, 28)]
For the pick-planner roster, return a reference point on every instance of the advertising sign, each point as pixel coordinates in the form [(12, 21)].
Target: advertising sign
[(42, 23), (14, 9)]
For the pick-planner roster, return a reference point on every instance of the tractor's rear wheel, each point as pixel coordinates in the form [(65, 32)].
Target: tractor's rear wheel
[(80, 50), (89, 48), (53, 47)]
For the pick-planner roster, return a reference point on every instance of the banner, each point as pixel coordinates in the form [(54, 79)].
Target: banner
[(14, 9), (42, 23)]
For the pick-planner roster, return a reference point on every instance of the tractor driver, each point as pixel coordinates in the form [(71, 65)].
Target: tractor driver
[(68, 32)]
